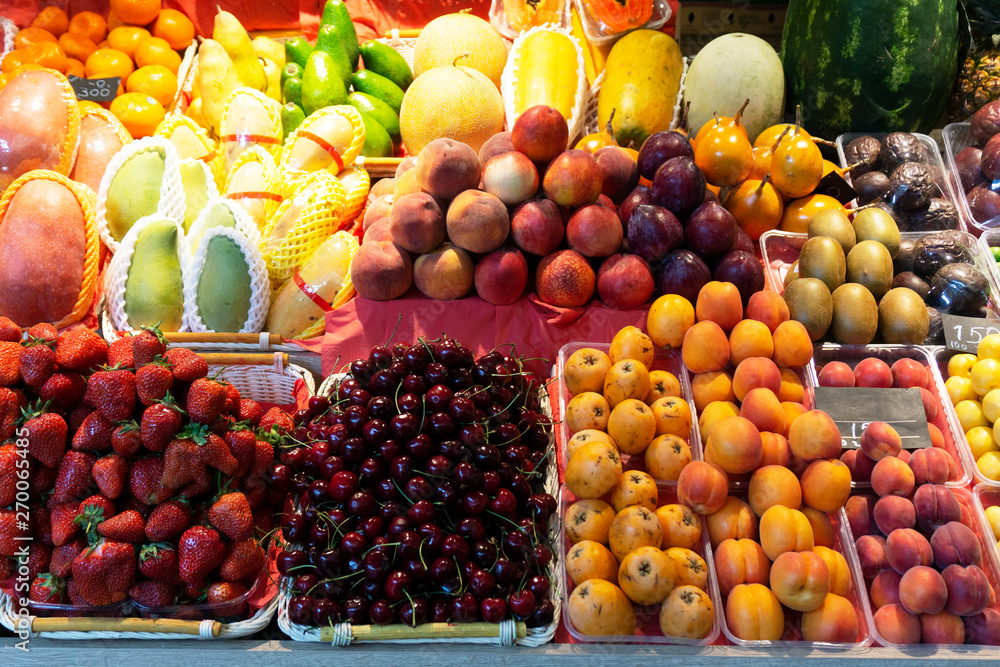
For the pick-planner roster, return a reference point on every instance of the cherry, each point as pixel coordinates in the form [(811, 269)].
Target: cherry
[(354, 564), (447, 493), (300, 610), (319, 535), (455, 546), (441, 424), (294, 458), (417, 570), (325, 612), (522, 603), (418, 488), (375, 431), (372, 589), (356, 610), (381, 613), (353, 450), (353, 544), (294, 527), (514, 454), (421, 512), (443, 569), (436, 373), (433, 538), (359, 397), (501, 395), (439, 611), (361, 504), (372, 527), (410, 404), (462, 409), (483, 553), (438, 397), (343, 485), (471, 528), (420, 447), (406, 426), (508, 434), (542, 556), (417, 358), (390, 511), (397, 526), (454, 449), (480, 397), (389, 450), (399, 350), (318, 405), (482, 583), (397, 584), (468, 475), (483, 455), (414, 384), (361, 368), (414, 613), (537, 508), (460, 378), (401, 468), (539, 585), (301, 416), (331, 466), (383, 383), (505, 504), (439, 466), (409, 544), (464, 608), (355, 417), (279, 476), (517, 544), (370, 471), (382, 407), (491, 482), (304, 583), (333, 589), (475, 503), (493, 610), (319, 491), (329, 561), (504, 570), (380, 357), (310, 514), (338, 518), (336, 435), (290, 560), (543, 614), (377, 565)]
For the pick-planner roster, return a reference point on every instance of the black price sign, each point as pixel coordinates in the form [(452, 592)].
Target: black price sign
[(853, 408), (95, 90), (965, 333), (834, 185)]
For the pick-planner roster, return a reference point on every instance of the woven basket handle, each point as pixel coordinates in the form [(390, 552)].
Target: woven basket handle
[(159, 625), (278, 359)]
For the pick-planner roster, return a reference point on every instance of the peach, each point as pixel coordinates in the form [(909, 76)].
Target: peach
[(840, 571), (968, 590), (537, 226), (446, 167), (880, 440), (620, 172), (908, 373), (511, 177), (800, 580), (379, 208), (835, 621), (379, 231), (813, 436), (826, 485), (734, 520), (871, 554), (572, 179), (416, 223), (753, 373), (735, 445), (935, 506), (892, 477), (540, 132), (713, 414), (705, 348), (501, 276), (750, 338), (565, 279), (703, 487), (930, 466), (587, 410), (498, 144), (861, 515), (793, 347), (740, 561), (406, 184), (983, 628), (954, 542), (792, 412), (711, 387), (836, 374), (445, 273), (666, 456), (774, 485), (767, 307), (791, 387), (662, 384), (872, 372), (680, 527), (381, 188), (893, 512), (754, 613), (381, 270), (585, 370), (896, 625), (775, 450), (594, 231), (763, 409), (885, 588), (477, 222), (823, 531), (719, 302), (672, 414), (624, 282), (905, 548), (783, 529), (930, 404), (405, 165), (942, 628)]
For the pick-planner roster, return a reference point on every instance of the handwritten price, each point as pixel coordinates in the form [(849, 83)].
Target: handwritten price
[(966, 337), (102, 90)]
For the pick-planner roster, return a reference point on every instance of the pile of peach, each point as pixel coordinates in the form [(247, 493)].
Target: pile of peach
[(920, 550), (974, 388), (633, 552), (621, 407)]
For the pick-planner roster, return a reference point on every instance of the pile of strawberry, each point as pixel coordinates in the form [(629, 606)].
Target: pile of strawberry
[(147, 477)]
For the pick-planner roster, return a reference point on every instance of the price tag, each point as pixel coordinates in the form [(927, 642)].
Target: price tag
[(964, 333), (834, 185), (853, 408), (95, 90)]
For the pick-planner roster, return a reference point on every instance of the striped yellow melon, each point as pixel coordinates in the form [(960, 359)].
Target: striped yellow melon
[(545, 67), (451, 36)]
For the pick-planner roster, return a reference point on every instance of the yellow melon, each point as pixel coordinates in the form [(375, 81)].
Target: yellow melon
[(456, 102), (448, 37)]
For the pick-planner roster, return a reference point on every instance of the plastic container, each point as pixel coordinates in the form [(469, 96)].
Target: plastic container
[(663, 360), (598, 33), (989, 496), (498, 18), (792, 637), (946, 420), (648, 617), (52, 610), (990, 239), (955, 137)]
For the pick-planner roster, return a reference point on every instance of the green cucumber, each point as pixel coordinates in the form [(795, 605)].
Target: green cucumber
[(378, 110), (376, 85), (385, 60)]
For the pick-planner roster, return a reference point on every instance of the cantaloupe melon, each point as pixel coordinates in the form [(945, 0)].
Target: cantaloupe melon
[(447, 37)]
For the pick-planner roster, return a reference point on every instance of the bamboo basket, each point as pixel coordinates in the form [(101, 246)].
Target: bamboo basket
[(8, 31)]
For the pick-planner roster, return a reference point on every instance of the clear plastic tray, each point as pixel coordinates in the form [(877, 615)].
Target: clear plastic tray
[(498, 18), (235, 609), (792, 637), (598, 33), (648, 617), (989, 239), (989, 496), (52, 610), (664, 360), (946, 421), (955, 137)]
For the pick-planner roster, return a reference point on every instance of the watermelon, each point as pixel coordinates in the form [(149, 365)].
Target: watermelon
[(870, 65)]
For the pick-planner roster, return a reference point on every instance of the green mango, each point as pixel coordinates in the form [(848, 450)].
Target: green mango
[(135, 191), (224, 309), (195, 182), (328, 40), (321, 84), (297, 50), (292, 116), (335, 14), (154, 289)]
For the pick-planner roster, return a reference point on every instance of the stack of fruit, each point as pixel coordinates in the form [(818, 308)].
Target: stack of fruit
[(979, 165), (974, 388), (372, 540), (147, 477)]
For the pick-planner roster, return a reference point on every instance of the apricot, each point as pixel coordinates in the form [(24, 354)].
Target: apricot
[(681, 527), (836, 565), (880, 440), (908, 373), (823, 531), (905, 548), (793, 347), (814, 435), (661, 385), (626, 379), (922, 590), (930, 404), (735, 445), (863, 467), (791, 386), (703, 487), (892, 476), (750, 338), (836, 374), (734, 520), (861, 515), (826, 485), (983, 628), (872, 372), (714, 413), (764, 410), (588, 410), (753, 373), (705, 348), (834, 621), (892, 512), (896, 625), (767, 307), (721, 303), (631, 343), (942, 628), (935, 505), (666, 456), (754, 613), (792, 412), (632, 426), (585, 370), (690, 568), (930, 466), (800, 580), (885, 588), (589, 520), (968, 590), (955, 543), (871, 555), (774, 485), (673, 416), (775, 450), (634, 527), (711, 387), (668, 319), (783, 529), (740, 561)]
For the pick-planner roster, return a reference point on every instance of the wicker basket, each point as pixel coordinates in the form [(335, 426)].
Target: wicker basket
[(590, 124), (8, 31)]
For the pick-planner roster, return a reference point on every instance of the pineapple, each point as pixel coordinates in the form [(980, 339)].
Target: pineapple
[(979, 79)]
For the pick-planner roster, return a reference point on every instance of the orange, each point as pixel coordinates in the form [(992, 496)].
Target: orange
[(139, 113), (52, 19), (174, 27), (12, 61), (84, 105), (46, 54), (156, 51), (89, 24), (127, 39), (104, 63), (103, 44), (156, 81), (77, 46), (30, 36), (75, 67), (136, 12)]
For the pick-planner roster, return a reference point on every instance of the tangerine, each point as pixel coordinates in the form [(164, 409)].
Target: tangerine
[(89, 24), (52, 19), (136, 12), (139, 113), (174, 27), (156, 81), (156, 51), (108, 62), (756, 205), (46, 54), (127, 39), (32, 35), (77, 46), (12, 61), (75, 67)]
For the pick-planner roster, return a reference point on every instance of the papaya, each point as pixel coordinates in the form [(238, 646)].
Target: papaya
[(545, 67), (133, 191), (224, 309), (216, 214), (199, 187), (154, 287), (641, 80)]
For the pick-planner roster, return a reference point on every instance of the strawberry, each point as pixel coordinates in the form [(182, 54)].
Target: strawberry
[(201, 551), (105, 572), (144, 478), (46, 435), (152, 382), (159, 561), (8, 474), (10, 363), (98, 502), (276, 418), (127, 526), (110, 473), (187, 366), (63, 390), (232, 515), (7, 569), (48, 588), (160, 423), (205, 400), (224, 591), (91, 513), (168, 520), (255, 490), (232, 400), (74, 476), (64, 526), (39, 559), (125, 439), (38, 363), (11, 403), (182, 458), (147, 345), (120, 352), (199, 485), (80, 350), (78, 416), (250, 411), (128, 502), (94, 434), (243, 446), (43, 479), (44, 331), (244, 562), (223, 425), (73, 591), (263, 457), (153, 594), (216, 454), (263, 520), (10, 530), (9, 331), (112, 393), (61, 563)]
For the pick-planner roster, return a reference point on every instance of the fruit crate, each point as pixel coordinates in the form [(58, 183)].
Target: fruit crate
[(590, 122), (946, 420), (947, 184), (972, 509), (598, 33), (663, 360), (648, 631), (955, 137)]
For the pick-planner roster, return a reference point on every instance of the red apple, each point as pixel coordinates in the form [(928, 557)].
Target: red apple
[(572, 179), (624, 281)]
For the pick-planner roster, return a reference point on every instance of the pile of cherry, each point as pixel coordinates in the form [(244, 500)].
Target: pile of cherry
[(417, 491)]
